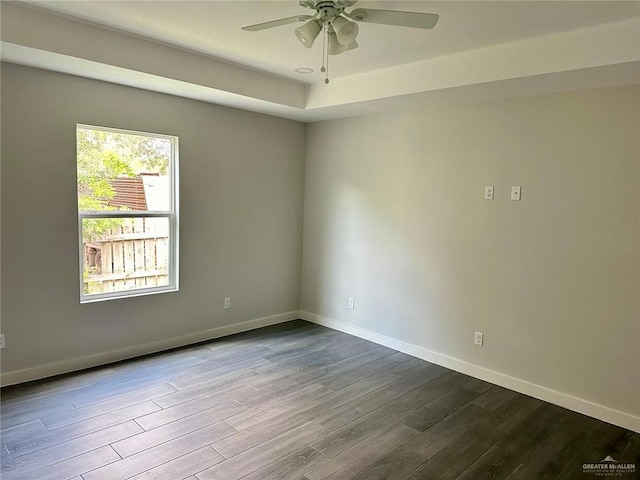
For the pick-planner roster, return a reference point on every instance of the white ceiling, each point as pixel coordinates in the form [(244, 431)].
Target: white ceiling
[(478, 50), (213, 28)]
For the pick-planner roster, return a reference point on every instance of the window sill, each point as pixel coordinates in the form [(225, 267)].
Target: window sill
[(127, 294)]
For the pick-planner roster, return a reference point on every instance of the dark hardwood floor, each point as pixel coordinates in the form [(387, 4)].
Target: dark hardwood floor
[(292, 401)]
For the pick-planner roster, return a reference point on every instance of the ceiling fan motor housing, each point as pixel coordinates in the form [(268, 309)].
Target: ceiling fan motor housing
[(328, 11)]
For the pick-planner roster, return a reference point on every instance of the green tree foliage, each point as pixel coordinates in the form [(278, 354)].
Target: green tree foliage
[(143, 154), (103, 156), (94, 175)]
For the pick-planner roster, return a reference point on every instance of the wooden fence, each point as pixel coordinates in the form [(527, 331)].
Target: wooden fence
[(129, 256)]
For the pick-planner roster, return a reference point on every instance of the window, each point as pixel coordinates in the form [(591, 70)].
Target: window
[(127, 212)]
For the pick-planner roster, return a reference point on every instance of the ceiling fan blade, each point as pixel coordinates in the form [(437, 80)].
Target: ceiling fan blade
[(277, 23), (392, 17)]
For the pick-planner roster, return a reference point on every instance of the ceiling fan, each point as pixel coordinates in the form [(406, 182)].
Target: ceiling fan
[(339, 26)]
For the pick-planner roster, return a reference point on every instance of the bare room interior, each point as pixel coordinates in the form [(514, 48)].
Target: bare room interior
[(308, 240)]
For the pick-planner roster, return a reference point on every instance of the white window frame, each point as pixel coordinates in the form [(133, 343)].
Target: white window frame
[(171, 215)]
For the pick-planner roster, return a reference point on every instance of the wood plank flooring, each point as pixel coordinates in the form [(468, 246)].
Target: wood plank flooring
[(292, 401)]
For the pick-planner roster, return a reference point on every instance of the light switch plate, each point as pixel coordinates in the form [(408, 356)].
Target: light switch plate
[(488, 192), (515, 192)]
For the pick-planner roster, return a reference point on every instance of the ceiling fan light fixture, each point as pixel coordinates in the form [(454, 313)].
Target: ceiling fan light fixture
[(307, 33), (335, 47), (346, 31)]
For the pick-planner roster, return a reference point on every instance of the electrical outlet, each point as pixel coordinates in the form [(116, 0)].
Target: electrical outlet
[(352, 303), (1, 340), (488, 192), (479, 339), (227, 302)]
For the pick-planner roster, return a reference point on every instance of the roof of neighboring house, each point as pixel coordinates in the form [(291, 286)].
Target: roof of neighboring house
[(129, 192)]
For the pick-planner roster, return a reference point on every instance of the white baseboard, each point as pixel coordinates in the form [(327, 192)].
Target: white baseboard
[(48, 370), (576, 404)]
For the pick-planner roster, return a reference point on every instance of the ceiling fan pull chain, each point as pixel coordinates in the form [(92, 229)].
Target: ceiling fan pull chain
[(326, 75), (325, 55), (324, 47)]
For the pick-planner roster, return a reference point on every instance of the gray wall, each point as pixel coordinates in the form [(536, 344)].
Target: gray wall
[(241, 200), (395, 217)]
